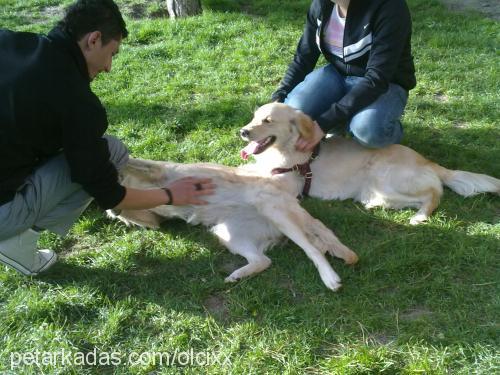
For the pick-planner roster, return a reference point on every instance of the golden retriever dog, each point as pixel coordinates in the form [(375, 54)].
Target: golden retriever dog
[(394, 176), (248, 213)]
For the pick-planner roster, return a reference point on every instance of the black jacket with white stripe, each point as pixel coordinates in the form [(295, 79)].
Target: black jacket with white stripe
[(376, 46)]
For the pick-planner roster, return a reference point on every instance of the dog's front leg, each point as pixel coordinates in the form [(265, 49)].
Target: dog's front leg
[(288, 217), (325, 240)]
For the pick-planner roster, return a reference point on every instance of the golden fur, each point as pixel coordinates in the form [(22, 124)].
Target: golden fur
[(252, 208), (248, 213), (394, 176)]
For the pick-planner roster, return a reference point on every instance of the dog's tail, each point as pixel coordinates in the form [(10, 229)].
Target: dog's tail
[(467, 183)]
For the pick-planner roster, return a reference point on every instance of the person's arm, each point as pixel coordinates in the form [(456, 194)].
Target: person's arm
[(88, 156), (180, 192), (84, 122), (305, 58)]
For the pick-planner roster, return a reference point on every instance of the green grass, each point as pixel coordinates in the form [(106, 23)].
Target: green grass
[(422, 300)]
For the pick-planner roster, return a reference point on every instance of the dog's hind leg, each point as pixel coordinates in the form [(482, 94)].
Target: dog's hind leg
[(240, 243), (256, 263), (429, 204), (143, 218)]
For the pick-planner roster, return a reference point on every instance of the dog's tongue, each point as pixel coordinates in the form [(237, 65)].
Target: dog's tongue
[(249, 150)]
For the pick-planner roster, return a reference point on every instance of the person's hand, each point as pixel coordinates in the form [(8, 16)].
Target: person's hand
[(188, 190), (306, 145)]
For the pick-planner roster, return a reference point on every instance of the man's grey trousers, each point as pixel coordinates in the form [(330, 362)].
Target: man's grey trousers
[(48, 199)]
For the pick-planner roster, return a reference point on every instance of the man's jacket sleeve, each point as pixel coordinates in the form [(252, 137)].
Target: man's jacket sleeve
[(87, 151)]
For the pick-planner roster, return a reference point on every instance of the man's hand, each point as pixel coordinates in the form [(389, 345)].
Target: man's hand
[(306, 145), (188, 190)]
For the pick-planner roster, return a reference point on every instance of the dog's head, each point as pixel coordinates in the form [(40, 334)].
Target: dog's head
[(275, 125)]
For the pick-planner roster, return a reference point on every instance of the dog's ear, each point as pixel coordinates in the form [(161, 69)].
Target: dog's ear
[(305, 125)]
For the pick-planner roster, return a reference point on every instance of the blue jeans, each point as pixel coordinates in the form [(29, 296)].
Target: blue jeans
[(376, 125), (49, 199)]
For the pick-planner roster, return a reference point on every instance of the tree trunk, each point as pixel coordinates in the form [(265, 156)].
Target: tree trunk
[(183, 8)]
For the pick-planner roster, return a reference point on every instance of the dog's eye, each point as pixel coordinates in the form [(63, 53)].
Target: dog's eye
[(267, 120)]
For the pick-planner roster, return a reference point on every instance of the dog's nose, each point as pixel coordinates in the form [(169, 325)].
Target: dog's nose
[(244, 133)]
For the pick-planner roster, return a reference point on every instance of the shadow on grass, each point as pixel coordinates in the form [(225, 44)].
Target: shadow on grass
[(285, 9), (444, 146), (464, 147), (228, 114), (412, 283)]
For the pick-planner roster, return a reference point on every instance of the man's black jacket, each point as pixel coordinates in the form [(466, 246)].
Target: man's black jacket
[(376, 46), (47, 106)]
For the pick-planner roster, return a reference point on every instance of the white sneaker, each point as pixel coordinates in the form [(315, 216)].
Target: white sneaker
[(46, 258), (19, 252)]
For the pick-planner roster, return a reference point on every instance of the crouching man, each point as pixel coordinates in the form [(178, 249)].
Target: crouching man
[(54, 156)]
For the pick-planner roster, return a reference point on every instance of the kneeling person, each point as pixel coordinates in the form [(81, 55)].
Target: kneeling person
[(55, 158)]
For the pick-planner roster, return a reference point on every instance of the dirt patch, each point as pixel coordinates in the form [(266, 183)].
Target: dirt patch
[(415, 314), (146, 9), (490, 8), (216, 305), (52, 11), (379, 338), (137, 11), (289, 285), (440, 97), (460, 125)]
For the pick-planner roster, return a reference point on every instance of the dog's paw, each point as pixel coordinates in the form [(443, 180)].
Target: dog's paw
[(350, 257), (232, 278), (418, 219), (331, 280), (343, 252), (334, 286)]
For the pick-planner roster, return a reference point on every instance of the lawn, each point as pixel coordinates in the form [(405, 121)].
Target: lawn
[(422, 300)]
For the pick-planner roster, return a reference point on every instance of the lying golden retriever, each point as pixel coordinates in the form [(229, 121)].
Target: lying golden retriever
[(248, 213), (394, 176)]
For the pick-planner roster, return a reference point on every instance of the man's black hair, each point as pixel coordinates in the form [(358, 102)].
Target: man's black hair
[(86, 16)]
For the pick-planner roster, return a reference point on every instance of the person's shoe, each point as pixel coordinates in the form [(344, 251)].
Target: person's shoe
[(19, 252)]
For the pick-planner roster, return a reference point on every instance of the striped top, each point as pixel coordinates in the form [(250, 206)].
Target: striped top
[(334, 34)]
